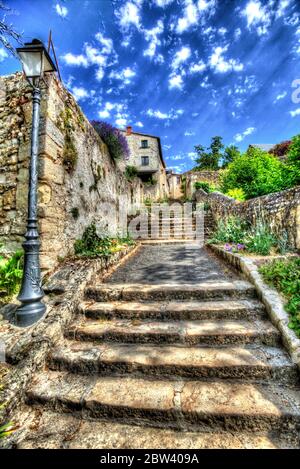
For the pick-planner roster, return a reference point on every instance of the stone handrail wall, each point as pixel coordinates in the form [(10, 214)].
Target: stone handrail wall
[(79, 182), (280, 211)]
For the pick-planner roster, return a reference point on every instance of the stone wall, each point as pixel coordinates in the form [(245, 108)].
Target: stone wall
[(79, 182), (280, 211), (212, 177)]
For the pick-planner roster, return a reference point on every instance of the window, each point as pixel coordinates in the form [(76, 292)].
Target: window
[(145, 160), (144, 143)]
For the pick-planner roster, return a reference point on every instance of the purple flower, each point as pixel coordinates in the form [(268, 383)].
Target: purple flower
[(114, 139), (240, 247), (227, 247)]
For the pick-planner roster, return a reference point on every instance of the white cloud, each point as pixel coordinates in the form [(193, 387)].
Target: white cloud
[(175, 81), (206, 5), (189, 18), (172, 114), (222, 31), (280, 96), (92, 55), (80, 93), (237, 33), (198, 68), (130, 14), (220, 65), (139, 124), (240, 137), (106, 43), (163, 3), (121, 122), (61, 10), (3, 54), (189, 134), (109, 107), (258, 16), (167, 147), (124, 75), (76, 60), (181, 56), (151, 36), (295, 113)]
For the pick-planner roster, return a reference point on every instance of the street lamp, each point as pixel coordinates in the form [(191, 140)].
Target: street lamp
[(35, 62)]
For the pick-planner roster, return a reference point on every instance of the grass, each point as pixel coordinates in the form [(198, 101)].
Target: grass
[(284, 275)]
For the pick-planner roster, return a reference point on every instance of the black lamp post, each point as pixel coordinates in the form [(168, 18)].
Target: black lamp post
[(35, 62)]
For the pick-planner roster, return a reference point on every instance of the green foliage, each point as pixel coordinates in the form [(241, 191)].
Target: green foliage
[(256, 173), (284, 275), (11, 274), (293, 161), (70, 154), (6, 429), (130, 172), (237, 194), (202, 185), (75, 213), (93, 245), (183, 185), (147, 201), (259, 240), (209, 158), (230, 153), (151, 181), (230, 231)]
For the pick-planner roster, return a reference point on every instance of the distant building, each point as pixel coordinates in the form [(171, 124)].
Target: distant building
[(146, 156), (263, 146)]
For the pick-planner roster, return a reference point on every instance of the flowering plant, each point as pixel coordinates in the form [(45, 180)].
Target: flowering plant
[(114, 139)]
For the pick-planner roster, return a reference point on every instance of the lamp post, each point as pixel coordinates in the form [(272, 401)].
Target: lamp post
[(35, 62)]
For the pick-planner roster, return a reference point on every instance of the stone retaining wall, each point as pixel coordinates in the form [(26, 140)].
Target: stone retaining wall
[(79, 182), (280, 211), (212, 177)]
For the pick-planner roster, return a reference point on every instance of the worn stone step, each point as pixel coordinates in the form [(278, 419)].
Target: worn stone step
[(210, 289), (53, 430), (175, 310), (247, 363), (209, 332), (180, 404)]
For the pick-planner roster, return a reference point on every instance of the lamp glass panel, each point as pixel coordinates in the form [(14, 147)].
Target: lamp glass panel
[(47, 66), (32, 63)]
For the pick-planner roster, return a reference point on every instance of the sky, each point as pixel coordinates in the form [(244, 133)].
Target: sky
[(184, 70)]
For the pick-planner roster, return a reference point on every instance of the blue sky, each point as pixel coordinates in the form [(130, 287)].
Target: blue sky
[(184, 70)]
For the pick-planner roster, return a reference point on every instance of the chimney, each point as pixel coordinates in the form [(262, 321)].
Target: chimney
[(128, 130)]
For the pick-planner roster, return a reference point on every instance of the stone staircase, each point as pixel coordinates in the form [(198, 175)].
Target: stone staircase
[(168, 366), (167, 227)]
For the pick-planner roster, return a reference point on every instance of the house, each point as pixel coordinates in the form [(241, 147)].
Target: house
[(146, 156)]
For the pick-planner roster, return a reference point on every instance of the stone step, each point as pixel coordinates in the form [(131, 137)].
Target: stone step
[(175, 310), (246, 363), (180, 404), (202, 290), (209, 332), (65, 431)]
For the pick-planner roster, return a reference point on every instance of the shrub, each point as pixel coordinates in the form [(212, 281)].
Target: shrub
[(11, 274), (237, 194), (130, 172), (256, 173), (114, 139), (259, 240), (93, 245), (293, 161), (230, 231), (284, 275), (202, 185)]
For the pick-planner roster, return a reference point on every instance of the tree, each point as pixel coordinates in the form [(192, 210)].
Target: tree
[(293, 161), (209, 158), (230, 153), (256, 172), (7, 31)]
